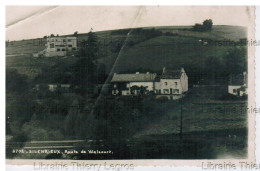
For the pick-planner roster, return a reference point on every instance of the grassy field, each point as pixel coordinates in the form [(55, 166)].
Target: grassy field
[(164, 51)]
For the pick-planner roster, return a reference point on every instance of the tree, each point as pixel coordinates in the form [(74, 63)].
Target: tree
[(85, 67), (207, 24), (198, 27), (75, 33), (236, 61), (141, 91), (89, 48), (16, 82)]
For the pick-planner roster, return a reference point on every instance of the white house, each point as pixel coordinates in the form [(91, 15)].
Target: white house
[(58, 46), (238, 84), (171, 83), (130, 84)]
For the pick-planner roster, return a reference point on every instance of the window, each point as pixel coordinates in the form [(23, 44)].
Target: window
[(175, 91), (58, 49), (165, 91), (234, 90), (52, 45), (175, 83), (69, 45), (63, 50), (165, 83)]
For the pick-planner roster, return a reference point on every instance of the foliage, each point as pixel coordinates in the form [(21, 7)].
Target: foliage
[(206, 26), (139, 90), (75, 33), (16, 82), (236, 61), (84, 69)]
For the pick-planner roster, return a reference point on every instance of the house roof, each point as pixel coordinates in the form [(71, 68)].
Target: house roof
[(138, 77), (171, 74)]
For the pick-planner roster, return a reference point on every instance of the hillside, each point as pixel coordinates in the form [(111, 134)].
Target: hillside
[(176, 46), (218, 32)]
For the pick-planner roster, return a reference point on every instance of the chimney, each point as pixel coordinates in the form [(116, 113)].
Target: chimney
[(137, 73), (147, 73)]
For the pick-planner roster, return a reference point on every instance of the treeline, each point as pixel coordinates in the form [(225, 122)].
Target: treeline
[(217, 69)]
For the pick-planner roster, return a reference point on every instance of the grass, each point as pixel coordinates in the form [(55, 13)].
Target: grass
[(210, 130), (165, 51)]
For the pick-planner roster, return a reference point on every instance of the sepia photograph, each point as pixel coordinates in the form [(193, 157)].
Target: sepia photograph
[(129, 82)]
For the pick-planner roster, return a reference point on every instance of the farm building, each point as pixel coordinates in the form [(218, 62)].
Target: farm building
[(58, 46), (171, 83), (127, 84), (238, 84)]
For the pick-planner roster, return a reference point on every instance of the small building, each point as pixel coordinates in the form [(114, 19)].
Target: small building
[(171, 83), (132, 84), (238, 84), (58, 46)]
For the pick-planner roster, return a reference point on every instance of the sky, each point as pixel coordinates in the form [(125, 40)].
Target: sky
[(27, 22)]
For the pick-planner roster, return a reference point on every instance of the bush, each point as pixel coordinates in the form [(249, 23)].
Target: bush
[(228, 96), (162, 99), (206, 26)]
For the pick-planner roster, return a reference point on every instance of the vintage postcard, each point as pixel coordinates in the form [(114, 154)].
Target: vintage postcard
[(125, 86)]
